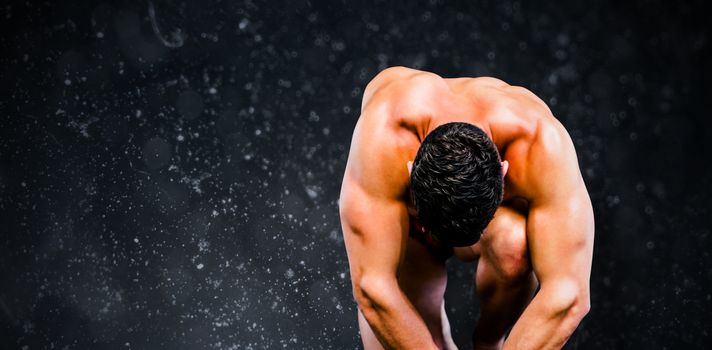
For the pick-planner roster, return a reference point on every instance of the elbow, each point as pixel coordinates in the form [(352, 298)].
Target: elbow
[(361, 297), (372, 293), (571, 316), (570, 301), (580, 307)]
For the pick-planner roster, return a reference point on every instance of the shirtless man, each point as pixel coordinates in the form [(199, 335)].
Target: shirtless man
[(435, 164)]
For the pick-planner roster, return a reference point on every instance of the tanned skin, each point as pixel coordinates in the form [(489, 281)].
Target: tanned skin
[(541, 235)]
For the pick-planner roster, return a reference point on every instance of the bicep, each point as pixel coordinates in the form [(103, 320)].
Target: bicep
[(560, 221), (560, 236), (372, 208), (375, 233)]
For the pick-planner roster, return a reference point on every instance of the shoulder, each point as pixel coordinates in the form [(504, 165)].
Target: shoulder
[(551, 141), (380, 145), (466, 83), (378, 155), (544, 160), (553, 171), (377, 160), (400, 82), (398, 74)]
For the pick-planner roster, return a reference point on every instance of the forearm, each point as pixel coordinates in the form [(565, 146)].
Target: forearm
[(548, 321), (394, 320)]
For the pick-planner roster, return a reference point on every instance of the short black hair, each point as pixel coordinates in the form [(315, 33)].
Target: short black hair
[(456, 183)]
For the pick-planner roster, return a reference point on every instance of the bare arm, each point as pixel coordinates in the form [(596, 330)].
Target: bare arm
[(375, 223), (560, 230)]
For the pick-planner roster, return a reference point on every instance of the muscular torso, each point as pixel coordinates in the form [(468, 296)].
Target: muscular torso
[(404, 105), (400, 108)]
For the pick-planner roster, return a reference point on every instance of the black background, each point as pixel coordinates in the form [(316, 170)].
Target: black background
[(169, 178)]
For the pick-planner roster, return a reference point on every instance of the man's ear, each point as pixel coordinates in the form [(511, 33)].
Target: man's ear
[(410, 167), (505, 167)]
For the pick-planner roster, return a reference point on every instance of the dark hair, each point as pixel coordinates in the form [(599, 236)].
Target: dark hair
[(456, 183)]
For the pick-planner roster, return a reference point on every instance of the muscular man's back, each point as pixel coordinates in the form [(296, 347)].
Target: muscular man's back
[(406, 104), (400, 108)]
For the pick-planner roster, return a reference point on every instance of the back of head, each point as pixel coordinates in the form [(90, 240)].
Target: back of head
[(456, 183)]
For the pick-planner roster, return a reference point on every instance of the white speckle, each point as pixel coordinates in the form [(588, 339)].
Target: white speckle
[(180, 138), (243, 24), (195, 183), (67, 82), (311, 192), (135, 239), (258, 132), (99, 35), (203, 245), (23, 184), (289, 273), (212, 91), (215, 213), (200, 266)]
